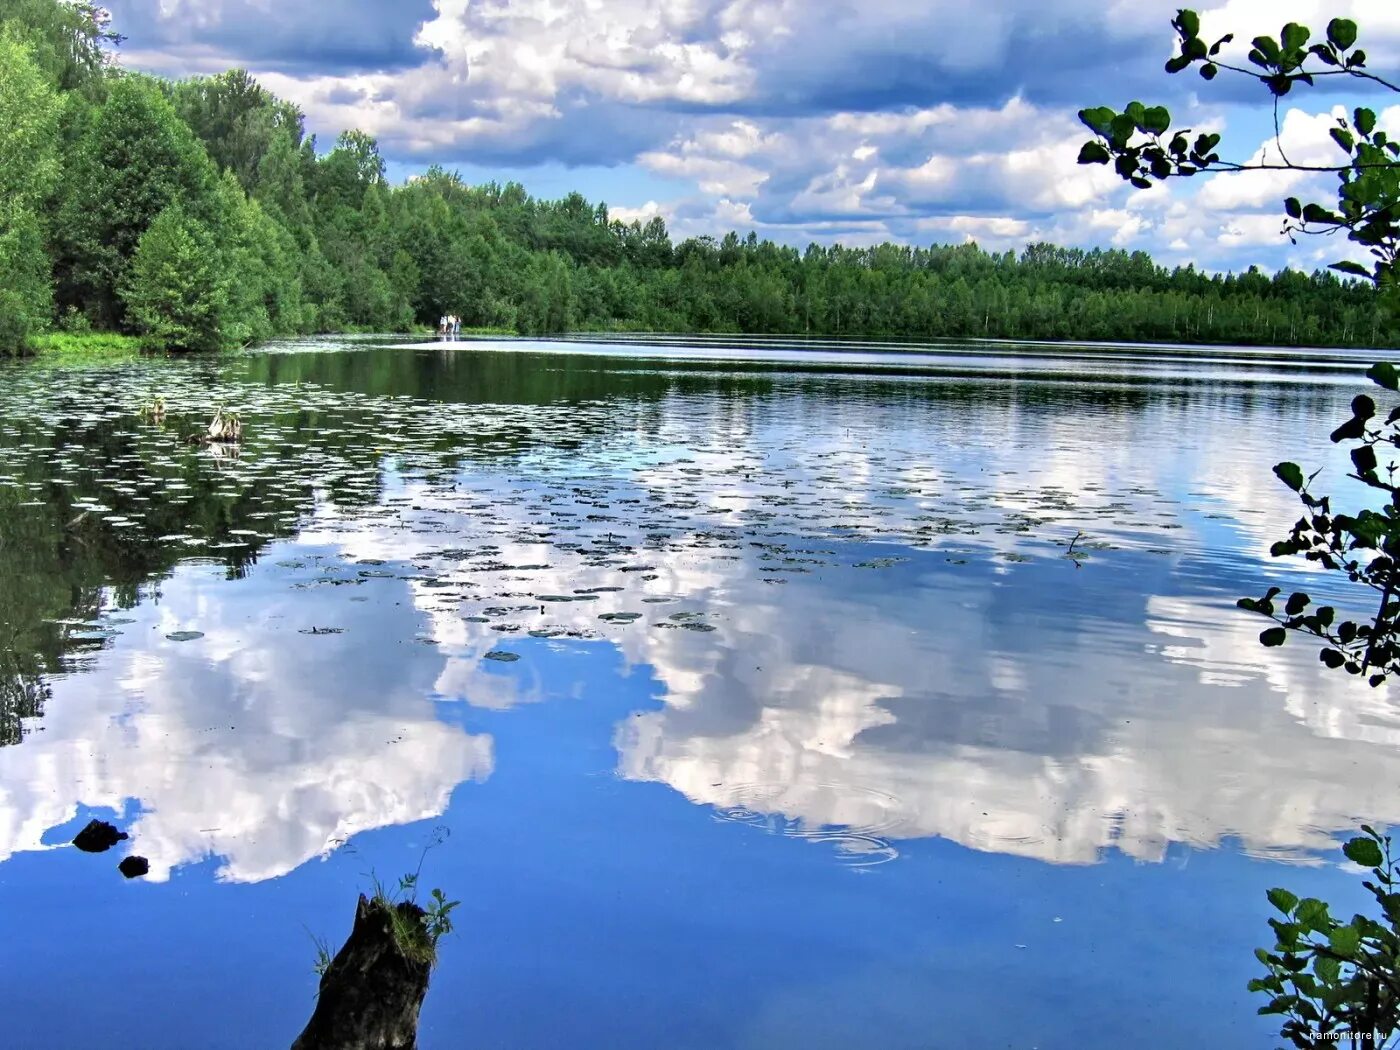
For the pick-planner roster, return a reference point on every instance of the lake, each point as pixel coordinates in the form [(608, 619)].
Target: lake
[(745, 693)]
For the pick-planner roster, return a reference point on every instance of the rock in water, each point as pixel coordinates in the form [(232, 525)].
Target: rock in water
[(98, 837), (134, 867), (371, 993)]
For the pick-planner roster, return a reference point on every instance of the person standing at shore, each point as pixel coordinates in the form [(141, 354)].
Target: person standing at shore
[(442, 327), (456, 327)]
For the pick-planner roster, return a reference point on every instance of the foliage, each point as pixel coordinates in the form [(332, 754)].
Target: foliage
[(80, 346), (1329, 980), (177, 291), (307, 240), (28, 124), (1143, 147), (1364, 547), (323, 955), (135, 160), (417, 929), (1332, 979), (238, 121), (72, 42)]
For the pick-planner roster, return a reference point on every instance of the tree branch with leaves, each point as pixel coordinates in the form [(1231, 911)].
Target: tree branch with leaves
[(1144, 149)]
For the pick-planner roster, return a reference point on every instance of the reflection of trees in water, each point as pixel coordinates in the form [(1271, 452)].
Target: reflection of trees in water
[(23, 694), (60, 565)]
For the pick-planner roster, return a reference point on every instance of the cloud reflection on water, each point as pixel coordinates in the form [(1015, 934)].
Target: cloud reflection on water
[(1029, 708)]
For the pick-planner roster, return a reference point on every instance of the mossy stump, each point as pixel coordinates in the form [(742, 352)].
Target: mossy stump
[(372, 991)]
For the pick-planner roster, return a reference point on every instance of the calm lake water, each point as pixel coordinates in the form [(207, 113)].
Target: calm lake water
[(747, 690)]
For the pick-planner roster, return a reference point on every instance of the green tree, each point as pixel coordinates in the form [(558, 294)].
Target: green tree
[(238, 122), (28, 126), (137, 159), (177, 291), (72, 41)]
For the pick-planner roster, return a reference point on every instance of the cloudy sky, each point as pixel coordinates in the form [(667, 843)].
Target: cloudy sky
[(830, 120)]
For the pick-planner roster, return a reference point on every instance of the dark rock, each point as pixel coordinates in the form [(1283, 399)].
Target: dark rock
[(371, 993), (134, 867), (98, 837)]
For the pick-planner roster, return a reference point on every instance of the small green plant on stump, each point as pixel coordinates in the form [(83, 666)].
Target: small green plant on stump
[(372, 990)]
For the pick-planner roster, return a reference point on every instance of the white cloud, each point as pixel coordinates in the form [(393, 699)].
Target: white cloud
[(821, 120)]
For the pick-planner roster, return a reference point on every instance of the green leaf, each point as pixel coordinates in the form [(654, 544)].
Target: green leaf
[(1296, 603), (1363, 851), (1385, 375), (1187, 23), (1332, 658), (1364, 459), (1156, 119), (1294, 37), (1345, 940), (1365, 120), (1293, 208), (1345, 139), (1312, 913), (1352, 430), (1282, 900), (1352, 268), (1327, 968), (1093, 153), (1291, 475), (1121, 128), (1341, 33), (1273, 637), (1098, 118), (1208, 71)]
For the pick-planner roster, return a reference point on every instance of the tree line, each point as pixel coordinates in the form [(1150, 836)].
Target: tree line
[(199, 214)]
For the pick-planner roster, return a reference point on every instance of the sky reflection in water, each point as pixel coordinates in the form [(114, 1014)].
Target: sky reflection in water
[(813, 736)]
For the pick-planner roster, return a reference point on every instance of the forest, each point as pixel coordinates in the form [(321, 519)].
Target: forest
[(199, 214)]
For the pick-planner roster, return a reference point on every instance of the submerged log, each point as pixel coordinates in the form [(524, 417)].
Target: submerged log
[(373, 989)]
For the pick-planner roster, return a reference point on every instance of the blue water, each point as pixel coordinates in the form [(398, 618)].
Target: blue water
[(924, 781)]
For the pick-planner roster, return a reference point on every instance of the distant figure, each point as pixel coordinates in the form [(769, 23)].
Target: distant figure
[(442, 327), (456, 326)]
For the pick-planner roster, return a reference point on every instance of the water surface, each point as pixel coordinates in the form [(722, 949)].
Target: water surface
[(748, 688)]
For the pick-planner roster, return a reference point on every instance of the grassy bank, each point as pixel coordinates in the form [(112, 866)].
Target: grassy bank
[(80, 347)]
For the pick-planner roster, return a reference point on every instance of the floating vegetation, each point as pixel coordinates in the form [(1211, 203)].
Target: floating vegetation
[(547, 518), (184, 636)]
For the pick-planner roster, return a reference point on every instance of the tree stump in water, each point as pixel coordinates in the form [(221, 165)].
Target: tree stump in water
[(371, 993)]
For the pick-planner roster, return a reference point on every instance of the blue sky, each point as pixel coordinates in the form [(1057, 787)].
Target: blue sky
[(828, 120)]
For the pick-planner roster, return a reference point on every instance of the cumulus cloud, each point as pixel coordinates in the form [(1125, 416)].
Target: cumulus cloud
[(823, 120), (249, 745)]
